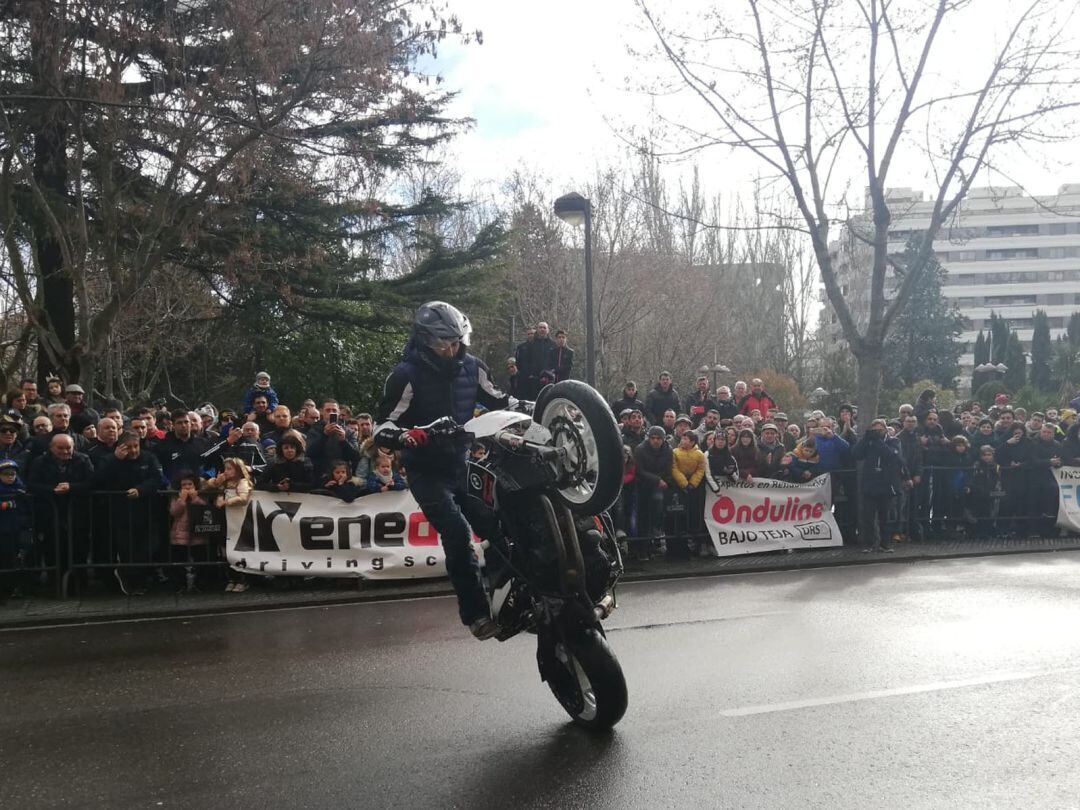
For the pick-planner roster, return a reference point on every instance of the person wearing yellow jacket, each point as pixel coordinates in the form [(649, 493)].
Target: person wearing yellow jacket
[(688, 473)]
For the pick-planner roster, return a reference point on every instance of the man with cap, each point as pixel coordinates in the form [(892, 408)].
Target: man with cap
[(81, 414), (653, 458), (682, 424), (772, 451), (786, 438), (11, 446)]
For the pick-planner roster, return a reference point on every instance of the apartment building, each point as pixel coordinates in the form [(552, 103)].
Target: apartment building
[(1005, 252)]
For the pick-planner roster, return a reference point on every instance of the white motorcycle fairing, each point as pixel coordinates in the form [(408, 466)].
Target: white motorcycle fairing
[(492, 423)]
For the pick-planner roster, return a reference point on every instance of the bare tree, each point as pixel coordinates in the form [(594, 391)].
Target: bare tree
[(812, 88)]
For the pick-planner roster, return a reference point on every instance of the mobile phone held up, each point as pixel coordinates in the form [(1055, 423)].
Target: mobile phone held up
[(332, 419)]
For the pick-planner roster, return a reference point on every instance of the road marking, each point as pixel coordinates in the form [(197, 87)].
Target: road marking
[(699, 621), (792, 705)]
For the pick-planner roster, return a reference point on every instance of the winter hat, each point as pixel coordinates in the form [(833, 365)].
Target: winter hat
[(9, 464), (656, 430), (262, 375), (682, 417)]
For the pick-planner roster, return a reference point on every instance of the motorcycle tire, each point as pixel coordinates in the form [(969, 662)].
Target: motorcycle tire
[(597, 448), (585, 677)]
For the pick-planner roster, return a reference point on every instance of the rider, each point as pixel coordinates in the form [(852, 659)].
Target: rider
[(437, 377)]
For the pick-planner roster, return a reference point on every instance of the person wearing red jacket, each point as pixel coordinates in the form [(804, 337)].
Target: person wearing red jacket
[(757, 399)]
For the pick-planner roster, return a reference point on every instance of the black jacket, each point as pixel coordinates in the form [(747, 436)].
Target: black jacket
[(658, 401), (562, 361), (697, 405), (175, 455), (299, 471), (721, 466), (653, 466), (883, 472), (728, 409), (251, 453), (624, 403), (912, 452)]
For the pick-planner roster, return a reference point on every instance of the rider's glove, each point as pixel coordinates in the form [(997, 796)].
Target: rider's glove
[(418, 435)]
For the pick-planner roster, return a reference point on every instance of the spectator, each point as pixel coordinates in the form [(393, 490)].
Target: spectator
[(291, 470), (513, 378), (832, 449), (746, 455), (668, 422), (883, 476), (260, 413), (629, 400), (281, 422), (700, 402), (927, 403), (81, 414), (787, 438), (803, 463), (382, 477), (130, 478), (15, 523), (105, 444), (1014, 456), (771, 450), (1046, 455), (757, 400), (707, 427), (339, 484), (846, 426), (12, 448), (54, 391), (740, 392), (154, 432), (183, 545), (60, 419), (33, 403), (662, 398), (242, 443), (521, 352), (985, 491), (59, 480), (720, 464), (232, 488), (328, 441), (911, 510), (536, 358), (562, 357), (682, 425), (261, 387), (937, 456), (182, 449), (653, 459), (633, 432), (688, 473), (955, 482), (725, 404)]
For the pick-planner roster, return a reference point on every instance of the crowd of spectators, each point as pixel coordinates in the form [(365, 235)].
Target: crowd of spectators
[(76, 481), (926, 472)]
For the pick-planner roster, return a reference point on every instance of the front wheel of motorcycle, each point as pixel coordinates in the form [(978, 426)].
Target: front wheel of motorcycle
[(582, 425), (585, 677)]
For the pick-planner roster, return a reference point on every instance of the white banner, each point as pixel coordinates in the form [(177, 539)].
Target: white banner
[(771, 515), (1068, 479), (380, 536)]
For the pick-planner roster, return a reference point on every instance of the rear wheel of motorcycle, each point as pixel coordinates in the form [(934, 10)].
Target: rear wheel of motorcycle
[(581, 423), (586, 678)]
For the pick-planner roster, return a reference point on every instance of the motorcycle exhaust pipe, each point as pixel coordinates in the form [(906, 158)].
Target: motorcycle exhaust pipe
[(605, 606)]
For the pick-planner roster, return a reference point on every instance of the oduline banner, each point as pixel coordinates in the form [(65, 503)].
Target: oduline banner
[(771, 515), (1068, 479), (379, 536)]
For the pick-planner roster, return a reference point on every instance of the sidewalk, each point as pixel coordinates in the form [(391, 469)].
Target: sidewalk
[(42, 611)]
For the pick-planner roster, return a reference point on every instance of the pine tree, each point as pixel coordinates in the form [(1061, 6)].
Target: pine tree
[(923, 343), (1016, 360), (982, 355), (1041, 351)]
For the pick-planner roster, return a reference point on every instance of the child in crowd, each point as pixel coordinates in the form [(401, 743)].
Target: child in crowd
[(234, 486), (382, 477), (182, 544), (261, 387), (340, 485), (14, 523), (984, 491)]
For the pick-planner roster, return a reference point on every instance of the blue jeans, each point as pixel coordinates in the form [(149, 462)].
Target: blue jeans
[(441, 495)]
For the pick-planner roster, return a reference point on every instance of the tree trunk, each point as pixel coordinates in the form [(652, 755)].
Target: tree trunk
[(51, 175), (868, 391)]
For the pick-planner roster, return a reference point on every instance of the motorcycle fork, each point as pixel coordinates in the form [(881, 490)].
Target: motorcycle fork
[(563, 533)]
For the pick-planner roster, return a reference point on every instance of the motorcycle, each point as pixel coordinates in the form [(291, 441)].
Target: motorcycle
[(539, 500)]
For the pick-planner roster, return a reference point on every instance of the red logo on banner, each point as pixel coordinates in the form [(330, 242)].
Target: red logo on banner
[(768, 511)]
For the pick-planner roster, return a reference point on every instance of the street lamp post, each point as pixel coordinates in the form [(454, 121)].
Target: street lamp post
[(716, 370), (575, 210)]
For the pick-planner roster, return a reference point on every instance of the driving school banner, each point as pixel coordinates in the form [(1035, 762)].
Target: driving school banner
[(771, 515), (1068, 479), (379, 536)]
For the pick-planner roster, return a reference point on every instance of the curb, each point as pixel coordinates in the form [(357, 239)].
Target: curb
[(400, 592)]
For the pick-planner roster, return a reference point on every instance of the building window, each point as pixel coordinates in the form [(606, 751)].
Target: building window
[(1012, 253)]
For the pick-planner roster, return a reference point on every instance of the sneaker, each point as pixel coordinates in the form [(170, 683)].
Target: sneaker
[(886, 550), (120, 581), (865, 550), (240, 587), (484, 628)]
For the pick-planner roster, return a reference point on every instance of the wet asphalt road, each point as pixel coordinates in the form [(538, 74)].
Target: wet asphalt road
[(948, 684)]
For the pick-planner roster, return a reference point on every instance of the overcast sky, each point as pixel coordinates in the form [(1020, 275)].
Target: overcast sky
[(552, 88)]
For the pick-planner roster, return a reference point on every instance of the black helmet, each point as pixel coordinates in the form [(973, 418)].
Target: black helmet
[(437, 324)]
